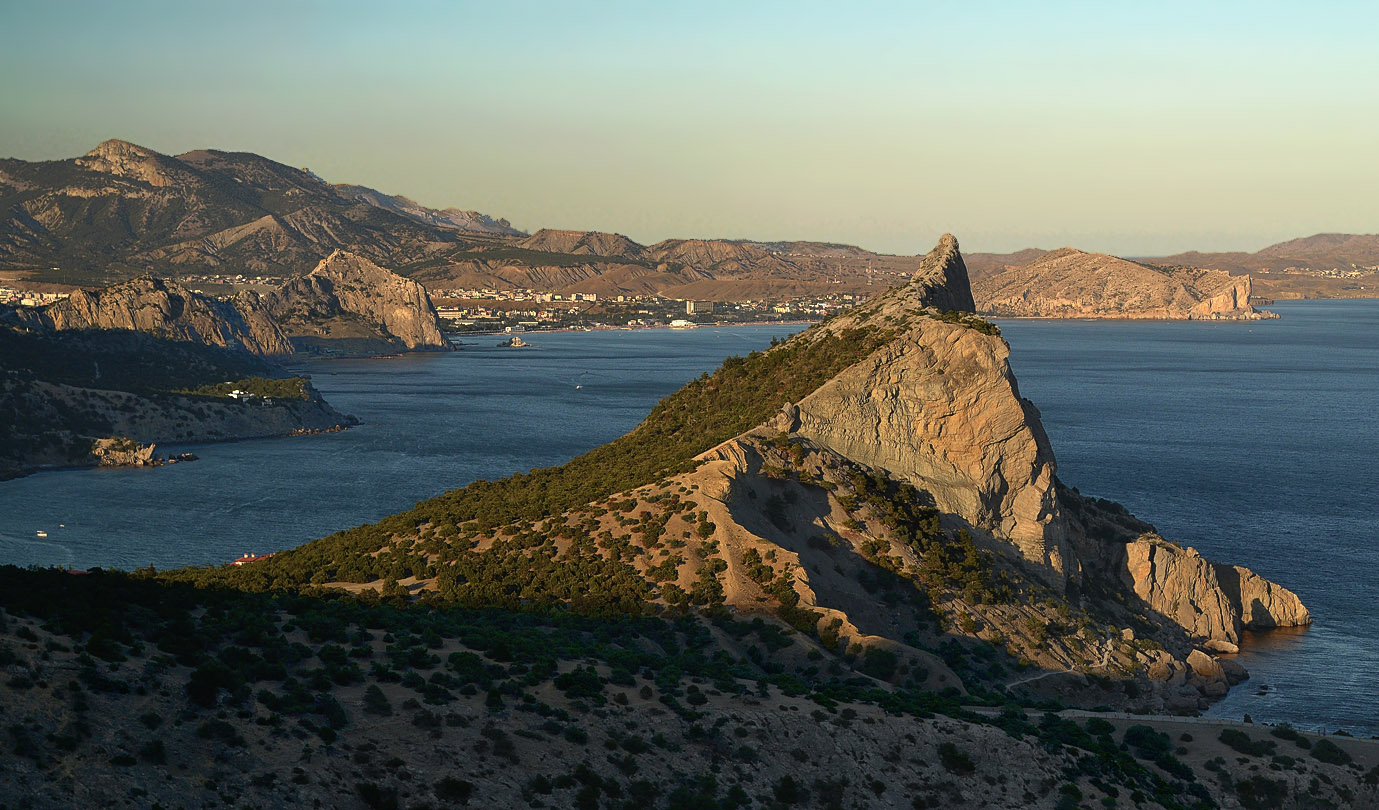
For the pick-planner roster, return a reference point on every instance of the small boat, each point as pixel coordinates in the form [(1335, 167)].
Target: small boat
[(41, 533)]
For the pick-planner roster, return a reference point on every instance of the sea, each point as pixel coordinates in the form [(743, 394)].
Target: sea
[(1255, 443)]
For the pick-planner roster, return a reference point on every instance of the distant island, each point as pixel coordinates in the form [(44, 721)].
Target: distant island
[(845, 556)]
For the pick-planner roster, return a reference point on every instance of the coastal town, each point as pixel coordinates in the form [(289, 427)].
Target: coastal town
[(514, 310)]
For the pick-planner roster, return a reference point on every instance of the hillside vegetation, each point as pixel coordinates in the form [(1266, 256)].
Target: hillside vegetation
[(741, 394)]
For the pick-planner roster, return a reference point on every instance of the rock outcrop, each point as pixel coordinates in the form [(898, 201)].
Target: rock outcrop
[(169, 310), (1070, 283), (1231, 303), (938, 406), (359, 307), (122, 452), (941, 280)]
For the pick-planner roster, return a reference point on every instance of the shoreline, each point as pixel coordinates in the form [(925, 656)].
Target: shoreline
[(657, 326), (164, 462)]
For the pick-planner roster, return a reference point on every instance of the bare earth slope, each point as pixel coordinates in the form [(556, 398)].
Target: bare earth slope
[(1070, 283)]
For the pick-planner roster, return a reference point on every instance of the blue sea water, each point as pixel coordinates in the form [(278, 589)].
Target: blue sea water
[(1253, 442), (431, 422), (1257, 444)]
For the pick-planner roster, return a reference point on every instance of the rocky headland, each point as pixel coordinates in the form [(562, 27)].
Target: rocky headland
[(916, 438), (349, 305), (74, 426), (1071, 283)]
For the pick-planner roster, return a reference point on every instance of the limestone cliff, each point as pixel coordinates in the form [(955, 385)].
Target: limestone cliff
[(1212, 601), (941, 280), (166, 309), (1232, 301), (348, 304), (937, 406)]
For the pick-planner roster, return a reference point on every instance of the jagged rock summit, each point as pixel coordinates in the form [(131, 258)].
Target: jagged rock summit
[(939, 407), (348, 303), (942, 278), (166, 308)]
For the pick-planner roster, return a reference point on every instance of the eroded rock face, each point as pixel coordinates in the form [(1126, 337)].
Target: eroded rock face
[(118, 452), (348, 297), (940, 408), (1263, 604), (941, 280), (167, 309), (1209, 600)]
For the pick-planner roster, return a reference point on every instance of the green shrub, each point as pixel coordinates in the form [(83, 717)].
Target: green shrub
[(955, 760), (1242, 742), (1329, 752)]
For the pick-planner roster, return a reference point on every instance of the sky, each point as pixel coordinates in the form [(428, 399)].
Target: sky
[(1131, 128)]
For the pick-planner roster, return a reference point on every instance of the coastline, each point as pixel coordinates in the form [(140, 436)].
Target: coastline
[(719, 325)]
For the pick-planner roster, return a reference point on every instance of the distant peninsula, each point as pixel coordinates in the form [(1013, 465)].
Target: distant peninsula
[(1071, 283)]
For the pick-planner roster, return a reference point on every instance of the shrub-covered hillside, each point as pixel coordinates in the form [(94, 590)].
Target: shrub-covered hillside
[(741, 394)]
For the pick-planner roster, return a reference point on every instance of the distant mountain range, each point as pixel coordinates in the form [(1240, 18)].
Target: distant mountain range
[(1324, 251), (123, 210)]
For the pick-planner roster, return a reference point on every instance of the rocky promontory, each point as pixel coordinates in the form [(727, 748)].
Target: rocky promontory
[(883, 486), (349, 305), (1071, 283)]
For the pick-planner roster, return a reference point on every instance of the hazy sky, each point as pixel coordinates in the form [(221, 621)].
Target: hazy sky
[(1134, 128)]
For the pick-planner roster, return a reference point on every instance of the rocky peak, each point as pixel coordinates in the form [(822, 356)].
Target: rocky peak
[(941, 280), (125, 159), (348, 297), (939, 407), (116, 148)]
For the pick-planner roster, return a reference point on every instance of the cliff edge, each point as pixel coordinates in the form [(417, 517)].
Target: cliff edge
[(169, 310)]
